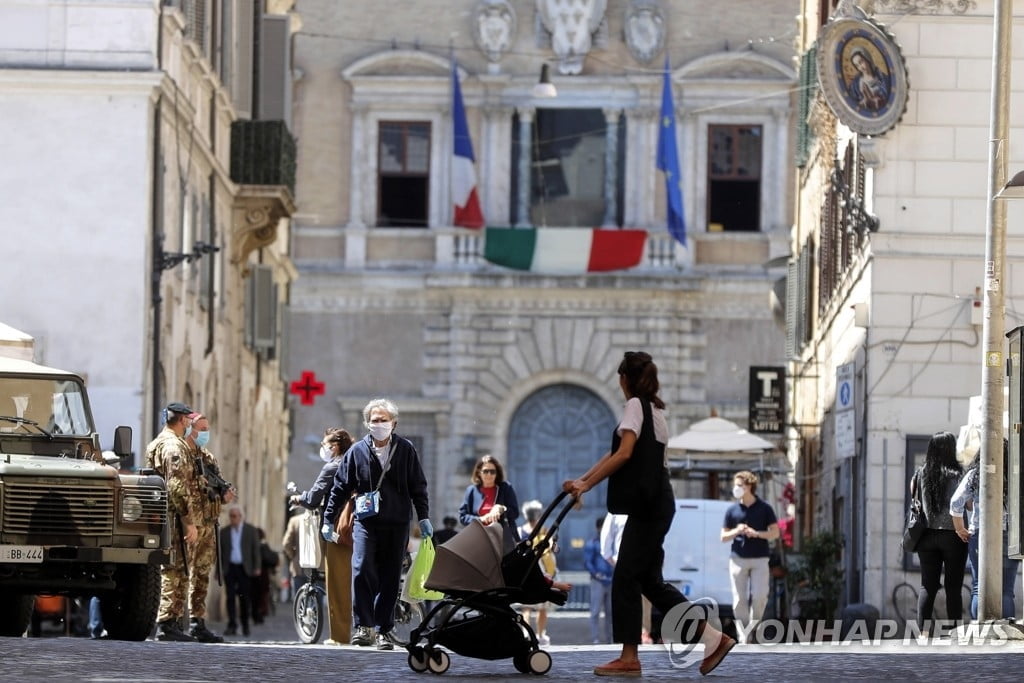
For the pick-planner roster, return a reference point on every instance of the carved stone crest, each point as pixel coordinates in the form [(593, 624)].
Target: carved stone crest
[(572, 26), (644, 28), (494, 27)]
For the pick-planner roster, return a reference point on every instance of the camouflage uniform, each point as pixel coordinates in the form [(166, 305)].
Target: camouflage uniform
[(203, 553), (170, 456)]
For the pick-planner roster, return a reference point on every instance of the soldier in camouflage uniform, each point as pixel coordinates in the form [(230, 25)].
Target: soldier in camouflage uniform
[(203, 553), (170, 456)]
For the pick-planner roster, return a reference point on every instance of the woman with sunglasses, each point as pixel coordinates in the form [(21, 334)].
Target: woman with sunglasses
[(490, 498)]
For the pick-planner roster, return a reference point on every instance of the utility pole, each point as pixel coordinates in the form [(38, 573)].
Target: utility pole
[(990, 540)]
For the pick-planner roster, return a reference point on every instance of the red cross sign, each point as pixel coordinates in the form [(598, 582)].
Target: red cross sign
[(307, 387)]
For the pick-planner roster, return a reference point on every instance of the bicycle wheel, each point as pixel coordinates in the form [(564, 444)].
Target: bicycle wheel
[(308, 613), (408, 616), (904, 601)]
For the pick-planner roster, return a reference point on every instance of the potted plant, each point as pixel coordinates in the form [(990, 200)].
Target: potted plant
[(816, 577)]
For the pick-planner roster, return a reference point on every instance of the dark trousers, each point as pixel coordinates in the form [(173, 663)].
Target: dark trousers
[(638, 572), (377, 554), (239, 592), (943, 558)]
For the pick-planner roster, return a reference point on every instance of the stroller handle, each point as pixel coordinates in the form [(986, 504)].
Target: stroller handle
[(543, 543)]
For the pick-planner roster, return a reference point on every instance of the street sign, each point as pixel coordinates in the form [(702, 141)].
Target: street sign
[(846, 416)]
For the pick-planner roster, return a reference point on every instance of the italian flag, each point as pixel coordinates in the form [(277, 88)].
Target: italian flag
[(564, 250)]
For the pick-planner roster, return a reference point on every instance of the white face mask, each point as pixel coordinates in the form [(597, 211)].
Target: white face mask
[(381, 430), (326, 453), (737, 492)]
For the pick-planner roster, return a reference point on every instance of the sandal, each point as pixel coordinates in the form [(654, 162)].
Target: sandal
[(712, 660), (617, 667)]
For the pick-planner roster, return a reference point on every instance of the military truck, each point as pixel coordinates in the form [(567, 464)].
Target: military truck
[(71, 521)]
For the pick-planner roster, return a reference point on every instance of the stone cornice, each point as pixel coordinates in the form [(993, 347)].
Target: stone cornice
[(256, 212)]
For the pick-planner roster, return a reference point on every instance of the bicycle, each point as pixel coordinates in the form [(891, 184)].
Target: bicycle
[(905, 596)]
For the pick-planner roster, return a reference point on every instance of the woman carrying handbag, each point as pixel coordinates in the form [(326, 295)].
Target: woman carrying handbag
[(942, 554)]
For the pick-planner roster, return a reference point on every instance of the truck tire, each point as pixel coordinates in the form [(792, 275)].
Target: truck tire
[(15, 614), (129, 612)]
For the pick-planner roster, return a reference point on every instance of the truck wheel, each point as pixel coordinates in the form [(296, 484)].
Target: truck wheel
[(15, 614), (129, 612)]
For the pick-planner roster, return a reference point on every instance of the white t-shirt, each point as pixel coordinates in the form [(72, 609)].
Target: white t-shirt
[(633, 420)]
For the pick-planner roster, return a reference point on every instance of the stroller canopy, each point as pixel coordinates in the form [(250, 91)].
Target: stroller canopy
[(469, 561)]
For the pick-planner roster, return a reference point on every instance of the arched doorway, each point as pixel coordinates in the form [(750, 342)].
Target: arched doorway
[(558, 432)]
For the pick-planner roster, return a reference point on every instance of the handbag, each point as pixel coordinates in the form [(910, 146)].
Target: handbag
[(310, 554), (368, 504), (346, 522), (916, 523)]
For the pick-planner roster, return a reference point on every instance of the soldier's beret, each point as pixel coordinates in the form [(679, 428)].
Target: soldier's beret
[(178, 408)]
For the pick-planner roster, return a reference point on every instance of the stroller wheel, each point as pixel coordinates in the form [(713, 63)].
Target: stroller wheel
[(521, 662), (418, 660), (539, 662), (438, 661)]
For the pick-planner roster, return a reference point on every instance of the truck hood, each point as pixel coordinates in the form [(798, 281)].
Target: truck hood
[(49, 466)]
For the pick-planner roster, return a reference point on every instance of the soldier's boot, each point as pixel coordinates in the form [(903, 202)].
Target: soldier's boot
[(199, 631), (170, 630)]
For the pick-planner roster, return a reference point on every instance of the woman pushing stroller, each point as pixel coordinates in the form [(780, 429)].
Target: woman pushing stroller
[(638, 486)]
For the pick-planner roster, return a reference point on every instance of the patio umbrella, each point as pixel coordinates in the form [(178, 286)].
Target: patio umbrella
[(717, 435)]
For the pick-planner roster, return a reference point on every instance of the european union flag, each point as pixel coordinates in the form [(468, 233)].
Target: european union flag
[(668, 160)]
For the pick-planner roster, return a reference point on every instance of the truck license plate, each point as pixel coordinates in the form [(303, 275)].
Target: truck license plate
[(21, 553)]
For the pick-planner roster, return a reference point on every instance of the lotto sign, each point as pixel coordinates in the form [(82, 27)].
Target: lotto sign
[(767, 400)]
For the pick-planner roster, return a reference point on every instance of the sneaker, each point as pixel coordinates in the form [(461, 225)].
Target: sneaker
[(543, 640), (617, 667), (332, 642), (362, 637), (199, 631), (245, 629), (384, 642), (170, 631)]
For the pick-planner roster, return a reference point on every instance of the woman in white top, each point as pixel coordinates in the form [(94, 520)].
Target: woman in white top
[(638, 487)]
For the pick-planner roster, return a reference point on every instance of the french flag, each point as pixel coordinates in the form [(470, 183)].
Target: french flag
[(464, 195)]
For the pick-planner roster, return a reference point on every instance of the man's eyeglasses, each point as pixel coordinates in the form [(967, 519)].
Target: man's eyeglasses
[(488, 471)]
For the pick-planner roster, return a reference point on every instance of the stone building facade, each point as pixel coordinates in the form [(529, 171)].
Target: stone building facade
[(138, 254), (889, 262), (394, 300)]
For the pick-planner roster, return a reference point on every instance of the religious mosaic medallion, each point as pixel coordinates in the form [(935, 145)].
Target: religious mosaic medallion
[(862, 74)]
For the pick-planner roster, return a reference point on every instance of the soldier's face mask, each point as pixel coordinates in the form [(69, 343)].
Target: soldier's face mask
[(203, 438)]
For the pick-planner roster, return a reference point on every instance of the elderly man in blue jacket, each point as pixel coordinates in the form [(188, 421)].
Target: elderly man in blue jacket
[(384, 470)]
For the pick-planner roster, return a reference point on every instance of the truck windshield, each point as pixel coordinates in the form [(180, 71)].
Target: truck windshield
[(56, 405)]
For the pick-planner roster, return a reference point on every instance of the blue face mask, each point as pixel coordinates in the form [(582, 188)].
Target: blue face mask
[(203, 438), (188, 430)]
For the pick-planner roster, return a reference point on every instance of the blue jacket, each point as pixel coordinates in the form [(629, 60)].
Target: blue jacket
[(316, 497), (474, 498), (404, 486), (600, 569)]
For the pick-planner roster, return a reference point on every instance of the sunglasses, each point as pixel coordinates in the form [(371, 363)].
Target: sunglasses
[(488, 471)]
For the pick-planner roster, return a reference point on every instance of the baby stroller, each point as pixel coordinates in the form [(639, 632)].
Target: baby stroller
[(482, 573)]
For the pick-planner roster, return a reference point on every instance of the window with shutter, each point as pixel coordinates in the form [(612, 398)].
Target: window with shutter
[(791, 311), (808, 91)]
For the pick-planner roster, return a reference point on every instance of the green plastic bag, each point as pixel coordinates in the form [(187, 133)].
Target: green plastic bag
[(419, 572)]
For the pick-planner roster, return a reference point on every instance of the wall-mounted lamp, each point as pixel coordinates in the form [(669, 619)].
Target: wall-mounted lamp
[(1013, 189), (544, 87)]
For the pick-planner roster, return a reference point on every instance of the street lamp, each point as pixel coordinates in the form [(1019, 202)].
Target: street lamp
[(544, 88), (1014, 189)]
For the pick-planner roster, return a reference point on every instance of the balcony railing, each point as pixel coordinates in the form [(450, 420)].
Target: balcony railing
[(263, 153)]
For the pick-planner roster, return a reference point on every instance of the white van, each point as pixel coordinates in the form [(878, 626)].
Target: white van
[(696, 560)]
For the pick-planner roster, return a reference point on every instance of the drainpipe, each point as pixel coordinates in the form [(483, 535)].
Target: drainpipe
[(156, 228)]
